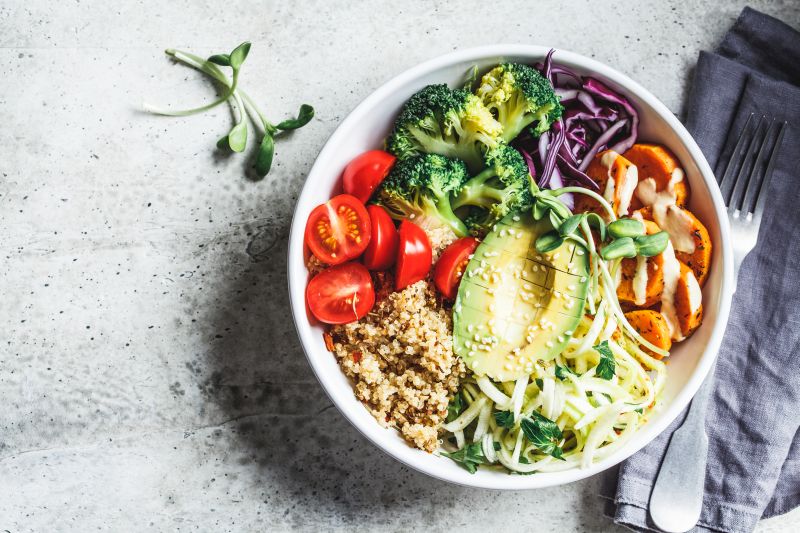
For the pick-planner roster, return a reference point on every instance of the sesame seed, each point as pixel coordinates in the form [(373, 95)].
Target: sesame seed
[(515, 218), (571, 287), (507, 366), (470, 328), (560, 338), (549, 344), (579, 252), (583, 279)]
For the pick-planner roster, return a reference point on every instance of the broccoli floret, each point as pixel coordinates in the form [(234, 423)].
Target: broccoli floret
[(419, 188), (503, 187), (518, 96), (452, 123)]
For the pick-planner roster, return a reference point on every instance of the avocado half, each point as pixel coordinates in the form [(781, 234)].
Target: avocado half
[(516, 306)]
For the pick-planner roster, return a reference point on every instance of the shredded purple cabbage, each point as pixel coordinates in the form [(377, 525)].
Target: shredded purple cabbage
[(595, 118)]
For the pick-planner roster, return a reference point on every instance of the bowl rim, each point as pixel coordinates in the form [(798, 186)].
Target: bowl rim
[(407, 455)]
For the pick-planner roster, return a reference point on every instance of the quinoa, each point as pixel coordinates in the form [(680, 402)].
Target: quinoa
[(400, 358)]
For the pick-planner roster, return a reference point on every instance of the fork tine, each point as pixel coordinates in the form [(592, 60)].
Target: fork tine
[(736, 159), (747, 169), (762, 191), (759, 167)]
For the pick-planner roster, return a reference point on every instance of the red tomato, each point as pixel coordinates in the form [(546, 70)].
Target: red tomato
[(338, 230), (364, 173), (382, 249), (341, 294), (451, 265), (414, 255)]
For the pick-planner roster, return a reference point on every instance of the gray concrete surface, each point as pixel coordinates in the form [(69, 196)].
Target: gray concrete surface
[(149, 375)]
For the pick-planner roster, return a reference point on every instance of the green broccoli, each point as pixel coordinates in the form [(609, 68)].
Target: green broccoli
[(419, 188), (518, 96), (440, 120), (503, 187)]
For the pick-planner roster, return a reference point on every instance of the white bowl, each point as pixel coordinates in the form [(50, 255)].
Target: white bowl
[(365, 129)]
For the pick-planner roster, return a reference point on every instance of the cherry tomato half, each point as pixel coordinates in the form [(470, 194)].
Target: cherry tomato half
[(451, 265), (414, 255), (364, 173), (338, 230), (341, 294), (382, 249)]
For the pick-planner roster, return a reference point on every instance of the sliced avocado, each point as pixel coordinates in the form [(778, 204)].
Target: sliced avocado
[(516, 306)]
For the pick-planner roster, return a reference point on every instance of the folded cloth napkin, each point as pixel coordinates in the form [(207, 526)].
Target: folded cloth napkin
[(753, 418)]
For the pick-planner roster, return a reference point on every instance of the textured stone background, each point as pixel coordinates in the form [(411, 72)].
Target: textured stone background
[(149, 374)]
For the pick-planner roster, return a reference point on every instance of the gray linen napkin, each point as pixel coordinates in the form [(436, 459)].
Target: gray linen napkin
[(754, 415)]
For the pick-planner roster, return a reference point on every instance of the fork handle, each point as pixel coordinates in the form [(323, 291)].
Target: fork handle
[(677, 497)]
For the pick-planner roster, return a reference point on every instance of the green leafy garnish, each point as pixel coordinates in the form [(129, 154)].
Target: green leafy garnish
[(470, 456), (607, 366), (455, 407), (245, 107), (543, 433), (626, 227), (650, 245), (548, 242), (504, 419), (622, 247), (562, 371), (539, 383)]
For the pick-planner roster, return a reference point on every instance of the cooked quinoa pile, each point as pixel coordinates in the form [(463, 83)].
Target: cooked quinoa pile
[(400, 358)]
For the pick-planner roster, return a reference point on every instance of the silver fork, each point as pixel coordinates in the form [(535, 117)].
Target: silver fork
[(677, 497)]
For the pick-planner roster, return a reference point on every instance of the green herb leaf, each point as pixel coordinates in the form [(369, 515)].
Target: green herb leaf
[(524, 460), (617, 248), (562, 371), (540, 209), (223, 60), (650, 245), (222, 143), (639, 410), (539, 383), (555, 220), (305, 115), (596, 221), (239, 54), (626, 227), (504, 419), (548, 242), (237, 137), (266, 151), (455, 407), (543, 433), (496, 446), (569, 226), (607, 366), (470, 456)]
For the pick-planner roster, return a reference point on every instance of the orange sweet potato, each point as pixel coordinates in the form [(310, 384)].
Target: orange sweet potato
[(655, 276), (624, 184), (652, 326), (688, 301), (699, 260), (657, 162)]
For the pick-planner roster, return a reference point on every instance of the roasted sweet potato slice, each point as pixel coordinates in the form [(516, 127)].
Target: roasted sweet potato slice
[(617, 179), (655, 161), (626, 291), (699, 260), (652, 326), (688, 301)]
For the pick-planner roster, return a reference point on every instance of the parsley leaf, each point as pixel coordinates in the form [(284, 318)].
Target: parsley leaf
[(562, 371), (539, 383), (607, 366), (470, 456), (504, 419), (543, 433), (455, 407)]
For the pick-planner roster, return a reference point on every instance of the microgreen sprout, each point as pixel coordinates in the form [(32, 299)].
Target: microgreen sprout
[(244, 106)]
